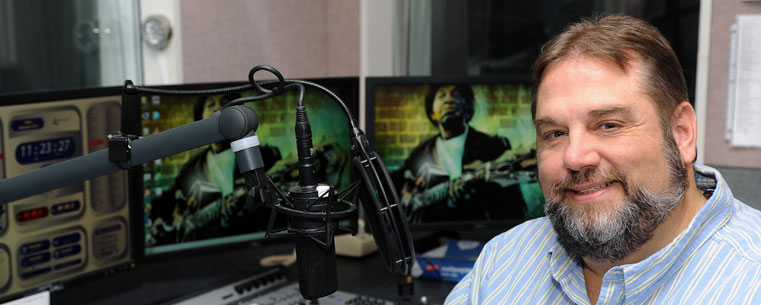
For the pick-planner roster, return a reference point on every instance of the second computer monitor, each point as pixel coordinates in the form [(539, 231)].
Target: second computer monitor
[(461, 151)]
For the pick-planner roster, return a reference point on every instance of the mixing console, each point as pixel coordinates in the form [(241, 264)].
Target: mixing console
[(273, 287)]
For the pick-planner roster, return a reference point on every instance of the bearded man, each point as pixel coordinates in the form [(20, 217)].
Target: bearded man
[(631, 219)]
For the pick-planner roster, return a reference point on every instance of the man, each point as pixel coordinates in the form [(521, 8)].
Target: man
[(437, 182), (208, 197), (630, 218)]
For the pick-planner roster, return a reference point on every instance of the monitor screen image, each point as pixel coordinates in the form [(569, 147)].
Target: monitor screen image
[(83, 228), (460, 151), (196, 200)]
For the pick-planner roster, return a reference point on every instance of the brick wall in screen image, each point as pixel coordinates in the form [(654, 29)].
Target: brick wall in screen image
[(401, 122)]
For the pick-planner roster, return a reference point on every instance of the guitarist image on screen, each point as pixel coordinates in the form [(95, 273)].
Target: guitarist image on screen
[(458, 174), (208, 198)]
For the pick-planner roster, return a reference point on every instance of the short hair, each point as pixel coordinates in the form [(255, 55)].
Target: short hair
[(465, 90), (622, 40)]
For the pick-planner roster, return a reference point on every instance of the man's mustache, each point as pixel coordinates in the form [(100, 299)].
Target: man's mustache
[(588, 176)]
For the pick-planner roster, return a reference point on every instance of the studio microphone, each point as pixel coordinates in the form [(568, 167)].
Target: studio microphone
[(315, 250)]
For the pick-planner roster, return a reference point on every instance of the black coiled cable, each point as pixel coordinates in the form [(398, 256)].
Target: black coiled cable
[(282, 86)]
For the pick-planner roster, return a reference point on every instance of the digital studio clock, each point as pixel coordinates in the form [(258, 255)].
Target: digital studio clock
[(44, 150)]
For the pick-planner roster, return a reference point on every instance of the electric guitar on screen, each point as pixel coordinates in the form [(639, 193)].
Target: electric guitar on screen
[(209, 213), (506, 173), (186, 220)]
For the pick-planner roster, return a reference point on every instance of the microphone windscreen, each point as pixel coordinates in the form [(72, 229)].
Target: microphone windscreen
[(384, 214)]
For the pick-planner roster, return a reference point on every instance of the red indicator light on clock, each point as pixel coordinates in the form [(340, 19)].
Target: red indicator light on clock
[(32, 214)]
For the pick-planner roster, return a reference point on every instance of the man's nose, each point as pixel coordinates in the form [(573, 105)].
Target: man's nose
[(581, 152)]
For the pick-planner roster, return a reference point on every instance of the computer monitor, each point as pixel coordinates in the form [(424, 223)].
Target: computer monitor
[(195, 201), (77, 230), (461, 151)]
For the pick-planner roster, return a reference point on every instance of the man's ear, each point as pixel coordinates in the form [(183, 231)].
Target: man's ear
[(685, 131)]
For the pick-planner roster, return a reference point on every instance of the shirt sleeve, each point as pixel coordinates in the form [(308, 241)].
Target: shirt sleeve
[(467, 290), (460, 295)]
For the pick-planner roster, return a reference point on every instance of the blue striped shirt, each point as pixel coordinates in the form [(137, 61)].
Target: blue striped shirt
[(715, 260)]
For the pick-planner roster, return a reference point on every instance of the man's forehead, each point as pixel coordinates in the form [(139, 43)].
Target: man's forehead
[(599, 82), (447, 88), (631, 65)]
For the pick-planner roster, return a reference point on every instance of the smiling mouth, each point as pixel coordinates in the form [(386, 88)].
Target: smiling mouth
[(592, 190)]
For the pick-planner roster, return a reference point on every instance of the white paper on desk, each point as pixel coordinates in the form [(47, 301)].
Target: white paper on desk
[(40, 298), (746, 125)]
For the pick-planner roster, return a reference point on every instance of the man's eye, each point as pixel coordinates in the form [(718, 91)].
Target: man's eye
[(608, 125), (554, 134)]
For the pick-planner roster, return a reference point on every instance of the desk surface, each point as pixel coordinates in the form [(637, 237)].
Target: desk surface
[(369, 276), (163, 281)]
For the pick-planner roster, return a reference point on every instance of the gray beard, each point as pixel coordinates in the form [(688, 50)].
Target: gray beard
[(616, 234)]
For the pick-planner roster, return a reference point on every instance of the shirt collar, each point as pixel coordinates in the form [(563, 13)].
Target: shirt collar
[(460, 139), (641, 278)]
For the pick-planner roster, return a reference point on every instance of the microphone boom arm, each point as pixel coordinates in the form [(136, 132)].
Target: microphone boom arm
[(142, 150)]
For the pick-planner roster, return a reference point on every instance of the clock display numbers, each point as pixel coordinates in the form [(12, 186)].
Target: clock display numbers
[(45, 150)]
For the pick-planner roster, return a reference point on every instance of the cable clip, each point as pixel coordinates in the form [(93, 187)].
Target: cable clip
[(120, 149)]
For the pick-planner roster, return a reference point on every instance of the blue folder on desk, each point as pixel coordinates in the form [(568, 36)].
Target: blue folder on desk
[(448, 262)]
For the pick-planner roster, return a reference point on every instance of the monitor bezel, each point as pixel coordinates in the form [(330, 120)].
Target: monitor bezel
[(135, 175), (30, 97), (372, 82), (46, 96)]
